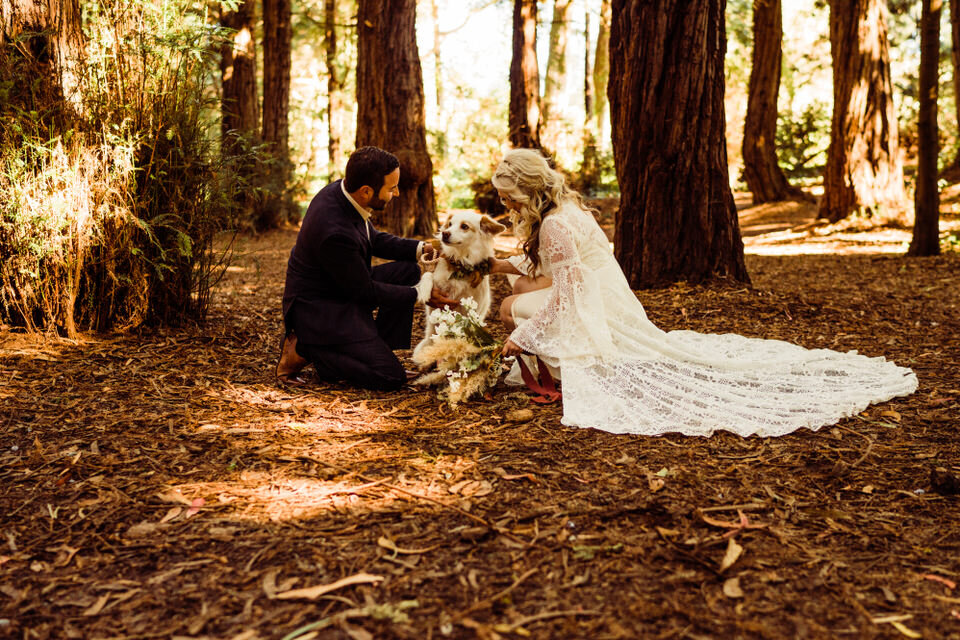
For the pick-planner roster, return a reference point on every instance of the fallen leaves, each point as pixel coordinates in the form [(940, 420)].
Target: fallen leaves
[(389, 544), (731, 588), (471, 488), (289, 489), (743, 525), (950, 584), (731, 555), (312, 593), (97, 606)]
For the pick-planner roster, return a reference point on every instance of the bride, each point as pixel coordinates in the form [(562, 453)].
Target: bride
[(574, 309)]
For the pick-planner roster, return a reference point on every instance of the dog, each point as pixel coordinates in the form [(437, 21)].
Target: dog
[(463, 266)]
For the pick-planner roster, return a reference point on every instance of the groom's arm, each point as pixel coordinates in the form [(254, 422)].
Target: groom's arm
[(341, 259), (390, 247)]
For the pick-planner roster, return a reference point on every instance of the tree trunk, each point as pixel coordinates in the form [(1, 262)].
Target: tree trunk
[(588, 68), (556, 74), (864, 170), (601, 66), (524, 77), (335, 163), (955, 35), (677, 219), (926, 226), (390, 109), (238, 65), (277, 32), (55, 47), (437, 63), (589, 176), (761, 169)]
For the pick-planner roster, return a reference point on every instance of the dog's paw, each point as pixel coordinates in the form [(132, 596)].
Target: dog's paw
[(424, 288)]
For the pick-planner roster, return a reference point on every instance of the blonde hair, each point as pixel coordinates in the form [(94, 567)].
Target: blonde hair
[(527, 177)]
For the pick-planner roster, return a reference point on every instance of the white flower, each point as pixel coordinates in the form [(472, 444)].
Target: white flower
[(454, 386), (469, 304)]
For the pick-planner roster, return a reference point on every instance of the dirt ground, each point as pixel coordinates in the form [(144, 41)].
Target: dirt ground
[(160, 485)]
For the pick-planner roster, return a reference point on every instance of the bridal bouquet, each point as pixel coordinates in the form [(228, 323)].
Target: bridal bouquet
[(462, 354)]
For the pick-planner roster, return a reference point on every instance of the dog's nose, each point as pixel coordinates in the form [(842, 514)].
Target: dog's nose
[(445, 236)]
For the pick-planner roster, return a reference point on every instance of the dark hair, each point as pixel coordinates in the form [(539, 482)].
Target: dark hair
[(367, 167)]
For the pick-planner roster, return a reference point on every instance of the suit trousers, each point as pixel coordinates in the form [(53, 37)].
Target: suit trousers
[(371, 364)]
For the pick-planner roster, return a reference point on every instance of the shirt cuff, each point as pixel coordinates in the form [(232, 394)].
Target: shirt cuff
[(419, 250)]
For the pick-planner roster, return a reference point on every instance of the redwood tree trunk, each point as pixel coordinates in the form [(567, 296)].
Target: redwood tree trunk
[(864, 170), (334, 91), (238, 65), (390, 109), (437, 62), (601, 65), (589, 175), (955, 36), (677, 219), (926, 226), (524, 77), (277, 32), (556, 74), (55, 48), (761, 170)]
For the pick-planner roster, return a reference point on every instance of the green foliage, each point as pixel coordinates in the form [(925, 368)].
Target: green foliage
[(111, 223), (802, 140), (466, 147), (950, 243)]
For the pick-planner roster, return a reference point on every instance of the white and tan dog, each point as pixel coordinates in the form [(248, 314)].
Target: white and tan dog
[(463, 267)]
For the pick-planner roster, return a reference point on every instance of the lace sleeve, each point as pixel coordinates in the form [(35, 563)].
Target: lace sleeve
[(558, 329)]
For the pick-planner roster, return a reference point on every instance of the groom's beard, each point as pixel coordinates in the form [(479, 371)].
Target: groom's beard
[(377, 205)]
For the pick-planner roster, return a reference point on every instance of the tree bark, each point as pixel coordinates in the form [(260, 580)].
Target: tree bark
[(601, 65), (589, 176), (677, 218), (238, 66), (277, 33), (56, 46), (524, 120), (761, 170), (556, 73), (955, 38), (335, 163), (390, 109), (437, 62), (864, 171), (926, 226)]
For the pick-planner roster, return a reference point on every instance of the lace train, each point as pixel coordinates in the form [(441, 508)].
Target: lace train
[(623, 374)]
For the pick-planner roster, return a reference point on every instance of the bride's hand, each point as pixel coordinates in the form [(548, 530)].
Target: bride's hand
[(510, 348)]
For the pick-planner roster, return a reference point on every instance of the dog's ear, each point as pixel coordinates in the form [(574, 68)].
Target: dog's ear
[(491, 226)]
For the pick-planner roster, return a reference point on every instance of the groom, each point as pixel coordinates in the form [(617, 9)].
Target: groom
[(331, 291)]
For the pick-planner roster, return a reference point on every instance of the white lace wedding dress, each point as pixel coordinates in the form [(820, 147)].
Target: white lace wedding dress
[(620, 373)]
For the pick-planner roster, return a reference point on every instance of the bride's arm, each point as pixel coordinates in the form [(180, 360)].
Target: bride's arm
[(504, 266), (559, 250)]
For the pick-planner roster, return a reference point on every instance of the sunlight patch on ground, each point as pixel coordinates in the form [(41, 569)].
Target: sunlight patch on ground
[(298, 490), (792, 243), (828, 239)]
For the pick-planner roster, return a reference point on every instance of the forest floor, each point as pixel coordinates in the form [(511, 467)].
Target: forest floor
[(161, 485)]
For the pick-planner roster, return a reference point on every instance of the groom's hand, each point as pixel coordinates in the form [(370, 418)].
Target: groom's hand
[(438, 300), (430, 249)]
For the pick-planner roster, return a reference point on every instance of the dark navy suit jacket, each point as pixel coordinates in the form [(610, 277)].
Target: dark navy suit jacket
[(329, 296)]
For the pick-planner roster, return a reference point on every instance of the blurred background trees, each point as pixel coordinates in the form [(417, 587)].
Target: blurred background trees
[(133, 132)]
